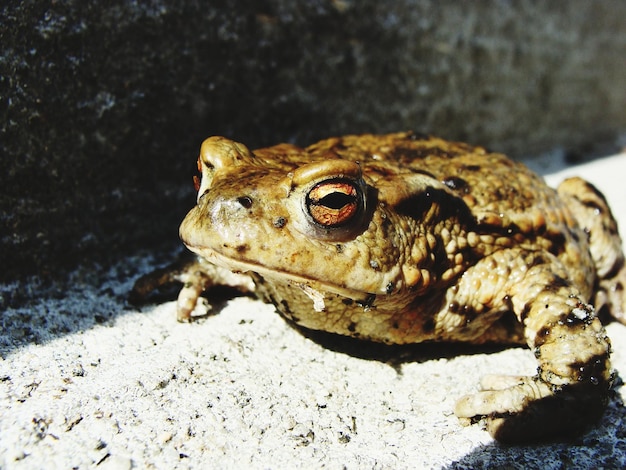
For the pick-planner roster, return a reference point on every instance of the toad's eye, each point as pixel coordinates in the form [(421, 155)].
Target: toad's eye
[(334, 202)]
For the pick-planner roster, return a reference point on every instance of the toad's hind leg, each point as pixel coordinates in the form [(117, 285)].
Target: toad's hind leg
[(573, 377), (594, 215)]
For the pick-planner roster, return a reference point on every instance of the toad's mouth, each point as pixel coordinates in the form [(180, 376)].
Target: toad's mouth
[(313, 288)]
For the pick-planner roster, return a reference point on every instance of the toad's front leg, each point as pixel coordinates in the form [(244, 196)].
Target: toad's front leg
[(196, 275), (571, 387)]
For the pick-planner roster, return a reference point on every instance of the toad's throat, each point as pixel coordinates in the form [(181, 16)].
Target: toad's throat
[(278, 276)]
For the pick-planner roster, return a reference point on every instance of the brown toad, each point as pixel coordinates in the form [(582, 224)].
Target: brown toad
[(403, 238)]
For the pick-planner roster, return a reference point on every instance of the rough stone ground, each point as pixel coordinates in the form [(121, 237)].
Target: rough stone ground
[(87, 381)]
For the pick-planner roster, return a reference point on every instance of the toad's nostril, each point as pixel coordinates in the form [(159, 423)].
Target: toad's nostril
[(245, 201)]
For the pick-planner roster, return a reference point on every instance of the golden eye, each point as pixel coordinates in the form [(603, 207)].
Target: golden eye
[(334, 202)]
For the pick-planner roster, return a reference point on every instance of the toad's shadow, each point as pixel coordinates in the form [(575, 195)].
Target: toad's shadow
[(396, 354)]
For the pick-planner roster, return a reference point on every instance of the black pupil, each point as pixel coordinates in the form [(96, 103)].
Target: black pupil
[(336, 200)]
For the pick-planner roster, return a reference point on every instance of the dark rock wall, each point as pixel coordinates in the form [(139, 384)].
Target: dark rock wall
[(104, 104)]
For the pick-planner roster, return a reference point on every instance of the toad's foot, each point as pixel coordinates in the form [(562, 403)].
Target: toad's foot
[(569, 342), (527, 409)]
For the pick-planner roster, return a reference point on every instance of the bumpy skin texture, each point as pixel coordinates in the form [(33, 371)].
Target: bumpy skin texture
[(403, 238)]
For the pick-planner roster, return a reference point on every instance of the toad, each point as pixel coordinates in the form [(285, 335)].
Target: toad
[(404, 238)]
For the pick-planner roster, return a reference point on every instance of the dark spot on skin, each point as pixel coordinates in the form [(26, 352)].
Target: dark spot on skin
[(285, 306), (428, 326), (422, 172), (509, 230), (472, 167), (571, 320), (468, 312), (238, 248), (352, 327), (593, 205), (368, 302), (591, 371), (563, 319), (347, 301), (556, 283), (595, 191), (339, 248), (537, 261), (272, 299), (558, 243), (542, 336), (617, 266), (524, 313), (245, 201), (457, 184), (385, 225), (280, 222), (512, 229), (395, 325), (540, 230)]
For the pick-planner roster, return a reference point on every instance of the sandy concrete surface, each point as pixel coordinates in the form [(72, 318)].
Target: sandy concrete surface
[(87, 381)]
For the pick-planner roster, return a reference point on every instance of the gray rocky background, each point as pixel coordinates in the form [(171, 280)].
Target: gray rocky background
[(104, 104)]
